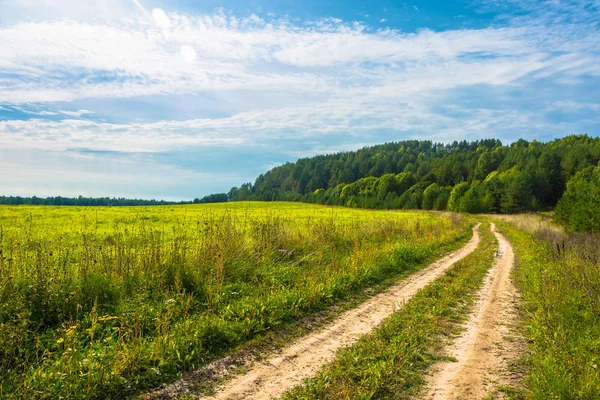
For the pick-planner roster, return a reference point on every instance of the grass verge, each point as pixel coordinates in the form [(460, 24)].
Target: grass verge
[(559, 278)]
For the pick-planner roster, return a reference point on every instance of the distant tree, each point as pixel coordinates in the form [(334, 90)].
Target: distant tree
[(472, 200), (441, 202), (456, 195), (213, 198), (517, 195)]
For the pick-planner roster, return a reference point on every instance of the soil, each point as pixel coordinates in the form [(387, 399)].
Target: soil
[(488, 351)]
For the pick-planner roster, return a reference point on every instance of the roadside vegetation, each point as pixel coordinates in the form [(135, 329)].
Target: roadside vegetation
[(391, 361), (105, 302), (558, 275)]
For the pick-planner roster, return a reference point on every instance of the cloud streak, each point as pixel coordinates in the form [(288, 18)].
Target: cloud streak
[(64, 61)]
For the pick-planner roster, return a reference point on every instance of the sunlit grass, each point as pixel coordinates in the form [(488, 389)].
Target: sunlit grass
[(104, 302), (558, 275)]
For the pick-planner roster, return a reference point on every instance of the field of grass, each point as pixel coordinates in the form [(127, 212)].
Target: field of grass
[(390, 362), (106, 302), (559, 278)]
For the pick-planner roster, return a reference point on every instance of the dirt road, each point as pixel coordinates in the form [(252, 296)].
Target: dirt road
[(304, 358), (486, 351)]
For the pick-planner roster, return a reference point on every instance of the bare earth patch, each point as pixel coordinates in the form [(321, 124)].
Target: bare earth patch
[(487, 351), (304, 358)]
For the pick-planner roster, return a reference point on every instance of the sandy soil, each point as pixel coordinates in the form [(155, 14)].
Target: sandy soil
[(305, 357), (487, 350)]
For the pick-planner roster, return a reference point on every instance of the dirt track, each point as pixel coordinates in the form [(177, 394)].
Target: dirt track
[(304, 358), (485, 352)]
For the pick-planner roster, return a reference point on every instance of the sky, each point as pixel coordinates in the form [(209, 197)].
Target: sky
[(177, 99)]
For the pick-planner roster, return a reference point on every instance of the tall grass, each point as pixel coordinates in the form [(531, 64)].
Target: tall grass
[(559, 277), (101, 303)]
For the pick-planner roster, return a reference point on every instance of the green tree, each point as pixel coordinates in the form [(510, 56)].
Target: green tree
[(456, 195), (430, 195), (579, 207)]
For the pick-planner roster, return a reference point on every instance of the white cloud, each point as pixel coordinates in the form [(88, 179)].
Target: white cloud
[(68, 60), (81, 134), (47, 10), (75, 114), (360, 118), (161, 18), (188, 53)]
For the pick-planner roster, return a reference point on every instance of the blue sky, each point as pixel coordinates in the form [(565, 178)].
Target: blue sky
[(176, 99)]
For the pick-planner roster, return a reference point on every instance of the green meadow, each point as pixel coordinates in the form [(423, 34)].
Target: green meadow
[(107, 302)]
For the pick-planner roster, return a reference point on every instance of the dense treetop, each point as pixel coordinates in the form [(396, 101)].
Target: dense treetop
[(478, 176)]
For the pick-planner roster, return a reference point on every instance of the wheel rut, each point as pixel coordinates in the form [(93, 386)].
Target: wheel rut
[(486, 352)]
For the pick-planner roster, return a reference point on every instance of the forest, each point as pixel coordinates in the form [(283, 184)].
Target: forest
[(482, 176)]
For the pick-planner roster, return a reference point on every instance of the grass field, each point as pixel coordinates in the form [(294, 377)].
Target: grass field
[(105, 302)]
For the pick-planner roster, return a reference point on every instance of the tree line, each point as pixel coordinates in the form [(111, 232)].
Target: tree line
[(104, 201), (481, 176), (579, 207), (83, 201)]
